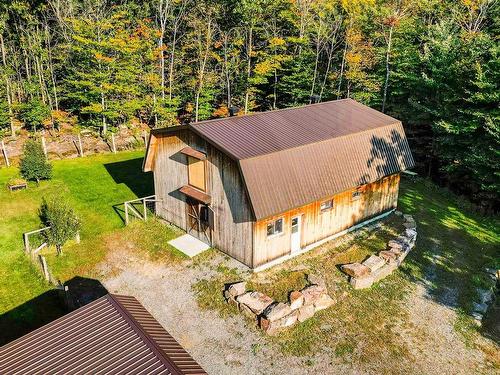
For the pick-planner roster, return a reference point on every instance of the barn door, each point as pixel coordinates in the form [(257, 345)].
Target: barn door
[(199, 220)]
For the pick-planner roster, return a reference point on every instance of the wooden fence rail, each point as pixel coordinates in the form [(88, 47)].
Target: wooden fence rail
[(145, 204)]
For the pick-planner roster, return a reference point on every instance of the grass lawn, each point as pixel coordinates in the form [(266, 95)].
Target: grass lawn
[(94, 186), (454, 248)]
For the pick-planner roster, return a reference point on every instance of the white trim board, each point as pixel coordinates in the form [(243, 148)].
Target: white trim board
[(284, 258)]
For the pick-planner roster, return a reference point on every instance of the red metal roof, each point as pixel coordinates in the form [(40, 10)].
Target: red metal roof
[(114, 334)]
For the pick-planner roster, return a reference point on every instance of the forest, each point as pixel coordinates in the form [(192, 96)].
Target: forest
[(100, 64)]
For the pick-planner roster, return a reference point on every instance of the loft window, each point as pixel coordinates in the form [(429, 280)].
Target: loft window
[(356, 195), (326, 205), (196, 173), (275, 227)]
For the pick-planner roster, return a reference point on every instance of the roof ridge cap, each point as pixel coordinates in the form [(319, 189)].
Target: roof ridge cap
[(141, 332)]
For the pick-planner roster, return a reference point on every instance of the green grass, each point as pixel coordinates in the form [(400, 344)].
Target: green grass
[(454, 247), (93, 185)]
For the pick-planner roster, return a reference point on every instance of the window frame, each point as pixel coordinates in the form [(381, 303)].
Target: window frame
[(204, 167), (329, 208), (273, 223)]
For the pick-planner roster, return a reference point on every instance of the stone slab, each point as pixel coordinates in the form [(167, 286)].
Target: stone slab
[(189, 245), (374, 262), (355, 269)]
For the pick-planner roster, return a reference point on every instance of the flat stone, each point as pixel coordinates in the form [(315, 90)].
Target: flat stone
[(316, 280), (305, 312), (355, 269), (323, 302), (311, 293), (396, 250), (410, 225), (374, 262), (296, 300), (237, 289), (276, 311), (395, 244), (388, 256), (247, 311), (361, 283), (485, 295), (480, 307), (408, 217), (290, 319), (256, 301), (410, 233), (383, 272), (398, 213)]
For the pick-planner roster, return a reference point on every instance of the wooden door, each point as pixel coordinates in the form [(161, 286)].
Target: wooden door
[(199, 220)]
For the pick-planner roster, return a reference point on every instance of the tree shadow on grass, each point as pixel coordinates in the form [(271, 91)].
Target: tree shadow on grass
[(48, 307), (129, 172)]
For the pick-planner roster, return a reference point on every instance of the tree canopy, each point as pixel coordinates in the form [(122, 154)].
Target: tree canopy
[(432, 64)]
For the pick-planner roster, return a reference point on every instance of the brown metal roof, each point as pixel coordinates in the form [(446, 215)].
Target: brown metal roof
[(295, 156), (284, 180), (114, 334), (261, 133)]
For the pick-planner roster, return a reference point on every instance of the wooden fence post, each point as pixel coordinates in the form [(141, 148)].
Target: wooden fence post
[(4, 150), (144, 135), (113, 143), (145, 209), (80, 144), (77, 237), (45, 269), (126, 213), (26, 243)]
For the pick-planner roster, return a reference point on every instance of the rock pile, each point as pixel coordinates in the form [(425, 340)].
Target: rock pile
[(274, 316), (376, 267)]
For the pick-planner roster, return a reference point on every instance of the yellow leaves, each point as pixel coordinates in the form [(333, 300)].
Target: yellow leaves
[(100, 57), (222, 111), (355, 7), (264, 68), (277, 42)]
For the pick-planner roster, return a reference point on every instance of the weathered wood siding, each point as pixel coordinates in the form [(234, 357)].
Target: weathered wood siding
[(233, 220), (375, 198)]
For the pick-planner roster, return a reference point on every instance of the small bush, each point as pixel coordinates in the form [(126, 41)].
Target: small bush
[(34, 164), (62, 220)]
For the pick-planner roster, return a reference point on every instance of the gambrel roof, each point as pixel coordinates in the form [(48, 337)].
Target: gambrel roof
[(291, 157)]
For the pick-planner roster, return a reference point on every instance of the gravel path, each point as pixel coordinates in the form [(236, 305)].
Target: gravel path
[(230, 346)]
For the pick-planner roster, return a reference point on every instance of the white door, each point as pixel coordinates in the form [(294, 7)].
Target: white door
[(295, 233)]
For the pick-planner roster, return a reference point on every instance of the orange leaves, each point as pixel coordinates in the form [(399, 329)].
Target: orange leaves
[(100, 57)]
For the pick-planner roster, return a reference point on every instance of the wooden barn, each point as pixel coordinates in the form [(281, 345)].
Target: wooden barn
[(265, 187)]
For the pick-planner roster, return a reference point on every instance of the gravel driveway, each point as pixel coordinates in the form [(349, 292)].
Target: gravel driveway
[(230, 346)]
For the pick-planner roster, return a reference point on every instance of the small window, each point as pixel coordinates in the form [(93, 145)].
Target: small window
[(356, 195), (275, 227), (326, 205)]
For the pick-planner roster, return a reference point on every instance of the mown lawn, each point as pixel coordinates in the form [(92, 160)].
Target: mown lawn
[(454, 248), (94, 186)]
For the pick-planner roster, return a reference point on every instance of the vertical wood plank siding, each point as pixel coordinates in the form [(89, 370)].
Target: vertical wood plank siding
[(233, 220), (375, 198)]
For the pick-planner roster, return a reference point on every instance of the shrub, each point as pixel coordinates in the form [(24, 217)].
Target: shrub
[(62, 220), (34, 164), (34, 113)]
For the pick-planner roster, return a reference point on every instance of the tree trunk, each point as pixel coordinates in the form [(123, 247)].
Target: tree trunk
[(7, 88), (387, 67), (201, 74), (249, 66), (342, 70)]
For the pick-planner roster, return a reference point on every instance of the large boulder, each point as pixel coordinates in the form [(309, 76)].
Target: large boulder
[(276, 311), (374, 262), (255, 301), (296, 300), (355, 269)]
